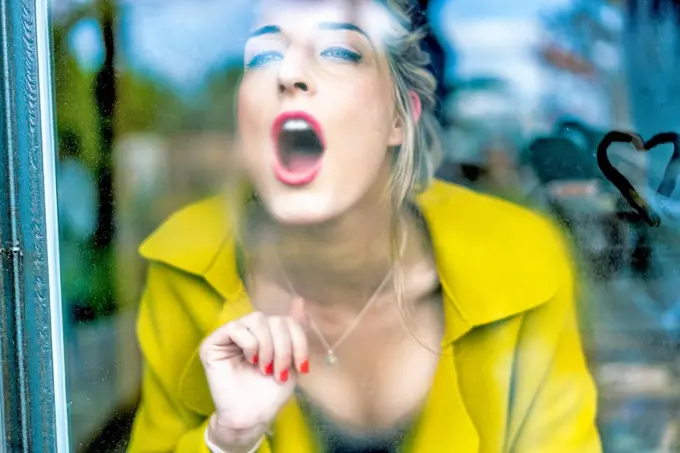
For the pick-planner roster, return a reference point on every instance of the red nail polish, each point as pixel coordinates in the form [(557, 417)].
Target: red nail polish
[(269, 369), (304, 367), (256, 359), (284, 376)]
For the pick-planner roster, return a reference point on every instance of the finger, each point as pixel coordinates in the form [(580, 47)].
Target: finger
[(245, 340), (282, 348), (227, 341), (298, 311), (258, 324), (299, 345)]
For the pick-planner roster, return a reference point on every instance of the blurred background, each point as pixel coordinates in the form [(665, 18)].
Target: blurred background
[(145, 94)]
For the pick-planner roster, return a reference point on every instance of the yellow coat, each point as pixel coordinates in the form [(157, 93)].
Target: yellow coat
[(512, 377)]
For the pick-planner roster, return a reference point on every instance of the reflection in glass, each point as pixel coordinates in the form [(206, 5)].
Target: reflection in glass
[(146, 98)]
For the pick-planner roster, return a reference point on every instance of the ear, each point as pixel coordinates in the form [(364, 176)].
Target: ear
[(398, 132), (416, 106)]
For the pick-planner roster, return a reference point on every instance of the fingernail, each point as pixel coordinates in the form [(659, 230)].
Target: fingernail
[(284, 376), (269, 369), (256, 358), (304, 367)]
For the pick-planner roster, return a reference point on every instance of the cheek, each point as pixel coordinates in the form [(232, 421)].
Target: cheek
[(251, 134), (368, 110), (245, 107), (252, 98), (253, 127)]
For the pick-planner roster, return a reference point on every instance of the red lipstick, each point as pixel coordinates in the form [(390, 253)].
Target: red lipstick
[(299, 147)]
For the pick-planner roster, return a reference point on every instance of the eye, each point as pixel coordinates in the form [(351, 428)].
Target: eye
[(340, 53), (263, 58)]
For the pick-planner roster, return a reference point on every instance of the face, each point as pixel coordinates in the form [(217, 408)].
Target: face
[(316, 108)]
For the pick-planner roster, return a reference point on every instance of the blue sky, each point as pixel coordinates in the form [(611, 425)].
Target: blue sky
[(178, 41)]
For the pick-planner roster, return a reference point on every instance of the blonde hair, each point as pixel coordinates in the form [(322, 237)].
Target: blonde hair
[(419, 156), (416, 160)]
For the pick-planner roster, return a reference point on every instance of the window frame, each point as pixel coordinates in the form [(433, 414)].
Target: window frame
[(33, 409)]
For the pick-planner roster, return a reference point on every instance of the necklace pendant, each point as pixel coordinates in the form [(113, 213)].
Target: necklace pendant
[(331, 358)]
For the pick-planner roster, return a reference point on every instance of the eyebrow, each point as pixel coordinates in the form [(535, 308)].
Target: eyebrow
[(275, 29), (342, 26), (266, 30)]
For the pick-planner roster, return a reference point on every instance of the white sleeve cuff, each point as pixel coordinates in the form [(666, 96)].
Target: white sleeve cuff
[(215, 449)]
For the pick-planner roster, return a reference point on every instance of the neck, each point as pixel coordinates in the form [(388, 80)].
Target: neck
[(340, 262), (345, 248)]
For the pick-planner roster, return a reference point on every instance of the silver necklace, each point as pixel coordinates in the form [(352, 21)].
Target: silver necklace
[(331, 357)]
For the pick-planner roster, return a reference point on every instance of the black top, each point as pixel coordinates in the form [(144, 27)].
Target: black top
[(334, 439)]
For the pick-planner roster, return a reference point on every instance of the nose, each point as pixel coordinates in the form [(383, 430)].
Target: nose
[(294, 77)]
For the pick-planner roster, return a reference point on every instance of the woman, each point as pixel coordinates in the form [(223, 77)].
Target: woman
[(352, 304)]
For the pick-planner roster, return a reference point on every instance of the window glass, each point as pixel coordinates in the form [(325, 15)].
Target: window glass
[(155, 102)]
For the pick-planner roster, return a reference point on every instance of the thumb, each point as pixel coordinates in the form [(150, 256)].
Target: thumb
[(297, 311)]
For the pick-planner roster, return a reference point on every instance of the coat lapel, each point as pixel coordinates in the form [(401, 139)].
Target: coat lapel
[(445, 424)]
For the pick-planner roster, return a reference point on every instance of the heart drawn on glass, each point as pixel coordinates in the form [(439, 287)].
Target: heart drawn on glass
[(624, 186)]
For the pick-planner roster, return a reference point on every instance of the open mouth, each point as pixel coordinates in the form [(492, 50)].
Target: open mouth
[(299, 148)]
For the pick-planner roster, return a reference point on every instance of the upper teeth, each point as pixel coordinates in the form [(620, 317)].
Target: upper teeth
[(296, 125)]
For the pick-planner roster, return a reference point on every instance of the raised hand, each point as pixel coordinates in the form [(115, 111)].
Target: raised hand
[(252, 365)]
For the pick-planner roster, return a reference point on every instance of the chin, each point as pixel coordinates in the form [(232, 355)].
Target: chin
[(302, 209)]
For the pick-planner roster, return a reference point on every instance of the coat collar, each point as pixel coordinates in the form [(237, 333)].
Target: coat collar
[(493, 260), (481, 244)]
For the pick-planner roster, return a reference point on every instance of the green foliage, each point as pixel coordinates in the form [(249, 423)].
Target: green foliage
[(144, 105), (75, 107)]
